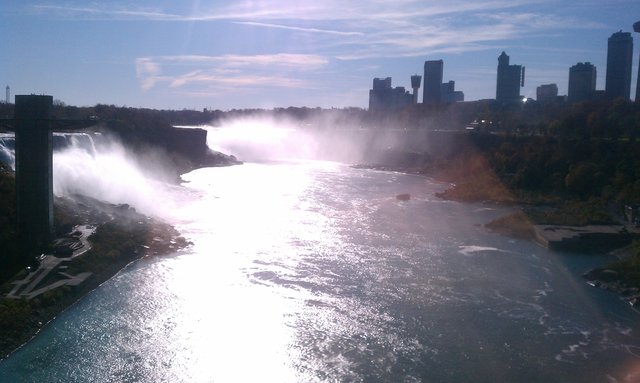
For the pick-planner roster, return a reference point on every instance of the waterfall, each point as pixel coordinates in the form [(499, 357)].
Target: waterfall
[(7, 150), (60, 141), (99, 167)]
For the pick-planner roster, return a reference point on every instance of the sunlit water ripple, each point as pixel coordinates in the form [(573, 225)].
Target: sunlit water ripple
[(314, 271)]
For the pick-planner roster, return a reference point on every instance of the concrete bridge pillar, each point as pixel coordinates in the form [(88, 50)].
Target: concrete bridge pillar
[(34, 171)]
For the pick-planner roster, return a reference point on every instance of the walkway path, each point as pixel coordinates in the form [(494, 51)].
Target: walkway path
[(29, 287)]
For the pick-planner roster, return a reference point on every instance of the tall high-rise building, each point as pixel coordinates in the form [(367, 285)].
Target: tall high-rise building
[(8, 99), (547, 93), (582, 82), (619, 56), (432, 81), (636, 28), (380, 94), (510, 79)]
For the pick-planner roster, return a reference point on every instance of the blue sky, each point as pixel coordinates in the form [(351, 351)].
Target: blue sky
[(263, 54)]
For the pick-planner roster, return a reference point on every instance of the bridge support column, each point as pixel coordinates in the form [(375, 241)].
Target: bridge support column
[(34, 172)]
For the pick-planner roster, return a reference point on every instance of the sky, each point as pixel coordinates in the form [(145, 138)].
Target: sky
[(195, 54)]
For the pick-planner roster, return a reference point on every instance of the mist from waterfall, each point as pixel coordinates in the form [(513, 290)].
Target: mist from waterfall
[(7, 150), (263, 139), (110, 174), (101, 167)]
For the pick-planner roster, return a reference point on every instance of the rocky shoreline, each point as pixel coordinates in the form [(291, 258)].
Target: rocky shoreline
[(573, 234), (621, 277), (94, 240), (612, 280), (120, 236)]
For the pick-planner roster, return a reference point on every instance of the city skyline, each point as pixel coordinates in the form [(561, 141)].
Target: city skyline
[(226, 55)]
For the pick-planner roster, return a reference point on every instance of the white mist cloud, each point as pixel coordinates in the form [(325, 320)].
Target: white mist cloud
[(113, 175), (256, 139)]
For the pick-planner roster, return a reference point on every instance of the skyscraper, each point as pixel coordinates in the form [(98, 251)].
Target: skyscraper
[(582, 82), (619, 56), (510, 79), (380, 94), (432, 80)]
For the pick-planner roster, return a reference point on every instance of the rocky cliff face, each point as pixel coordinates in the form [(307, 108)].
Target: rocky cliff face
[(188, 142), (186, 147)]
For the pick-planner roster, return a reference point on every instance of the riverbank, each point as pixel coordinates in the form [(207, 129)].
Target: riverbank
[(119, 235), (582, 226), (622, 241), (622, 276), (94, 240)]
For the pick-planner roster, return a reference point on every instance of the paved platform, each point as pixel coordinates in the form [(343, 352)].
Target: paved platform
[(50, 265), (589, 238)]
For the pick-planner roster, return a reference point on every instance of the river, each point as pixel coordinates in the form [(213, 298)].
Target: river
[(312, 271)]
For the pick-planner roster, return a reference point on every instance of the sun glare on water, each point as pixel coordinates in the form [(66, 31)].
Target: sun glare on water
[(238, 219)]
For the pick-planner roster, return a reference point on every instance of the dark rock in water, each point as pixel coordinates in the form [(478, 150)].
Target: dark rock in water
[(403, 197), (608, 275), (600, 276), (213, 158)]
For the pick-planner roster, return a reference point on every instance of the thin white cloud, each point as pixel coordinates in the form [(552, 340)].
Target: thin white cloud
[(539, 21), (118, 13), (298, 61), (336, 10), (227, 71), (364, 29), (245, 80), (148, 72), (299, 29)]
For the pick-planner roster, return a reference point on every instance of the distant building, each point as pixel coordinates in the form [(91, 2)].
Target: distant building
[(8, 99), (547, 93), (619, 57), (510, 79), (385, 98), (381, 93), (415, 85), (449, 94), (381, 83), (401, 98), (432, 81), (435, 91), (582, 82)]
